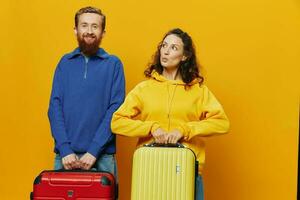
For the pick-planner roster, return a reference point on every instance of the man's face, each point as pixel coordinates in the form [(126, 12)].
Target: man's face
[(89, 33)]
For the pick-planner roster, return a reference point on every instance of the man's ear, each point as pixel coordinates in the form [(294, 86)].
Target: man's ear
[(103, 34), (75, 31)]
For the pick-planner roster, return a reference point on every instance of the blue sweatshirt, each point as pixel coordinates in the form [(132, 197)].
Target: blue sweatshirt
[(84, 97)]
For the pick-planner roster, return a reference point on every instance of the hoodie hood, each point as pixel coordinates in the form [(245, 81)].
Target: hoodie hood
[(158, 77)]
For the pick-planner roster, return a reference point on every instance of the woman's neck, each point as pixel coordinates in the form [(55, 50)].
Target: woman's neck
[(171, 74)]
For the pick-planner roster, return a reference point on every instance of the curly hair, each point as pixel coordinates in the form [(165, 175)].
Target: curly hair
[(188, 69)]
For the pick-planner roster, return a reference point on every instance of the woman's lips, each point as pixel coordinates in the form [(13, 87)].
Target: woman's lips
[(164, 59)]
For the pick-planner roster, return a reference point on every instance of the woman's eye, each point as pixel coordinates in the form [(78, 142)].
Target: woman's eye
[(174, 48)]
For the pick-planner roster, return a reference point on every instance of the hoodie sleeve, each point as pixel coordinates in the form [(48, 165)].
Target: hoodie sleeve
[(212, 118), (126, 120), (56, 116)]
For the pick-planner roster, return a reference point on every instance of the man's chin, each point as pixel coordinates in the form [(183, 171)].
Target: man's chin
[(89, 46)]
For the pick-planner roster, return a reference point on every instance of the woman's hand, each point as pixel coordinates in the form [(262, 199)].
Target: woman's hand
[(174, 136), (160, 136)]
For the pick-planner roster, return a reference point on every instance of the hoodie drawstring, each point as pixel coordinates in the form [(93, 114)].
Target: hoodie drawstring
[(169, 105)]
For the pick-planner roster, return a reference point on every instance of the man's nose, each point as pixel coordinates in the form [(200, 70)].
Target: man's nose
[(90, 30)]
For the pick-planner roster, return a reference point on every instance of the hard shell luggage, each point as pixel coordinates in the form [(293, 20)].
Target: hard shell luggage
[(163, 173), (74, 185)]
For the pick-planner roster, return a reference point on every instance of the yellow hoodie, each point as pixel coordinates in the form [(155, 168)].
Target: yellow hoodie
[(162, 103)]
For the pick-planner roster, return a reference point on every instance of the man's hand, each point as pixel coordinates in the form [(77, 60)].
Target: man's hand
[(87, 161), (174, 136), (70, 161), (160, 136)]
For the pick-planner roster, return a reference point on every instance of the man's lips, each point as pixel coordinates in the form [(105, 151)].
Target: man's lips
[(89, 38)]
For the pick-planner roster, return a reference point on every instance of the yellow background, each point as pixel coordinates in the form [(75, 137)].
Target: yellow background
[(250, 51)]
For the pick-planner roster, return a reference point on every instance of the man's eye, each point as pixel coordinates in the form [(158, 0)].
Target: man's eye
[(95, 26)]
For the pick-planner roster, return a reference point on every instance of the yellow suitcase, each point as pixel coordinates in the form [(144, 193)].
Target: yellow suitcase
[(163, 173)]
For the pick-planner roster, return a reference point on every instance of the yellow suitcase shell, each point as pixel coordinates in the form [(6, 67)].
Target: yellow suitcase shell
[(163, 173)]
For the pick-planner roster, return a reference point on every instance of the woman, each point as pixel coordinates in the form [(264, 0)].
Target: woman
[(173, 105)]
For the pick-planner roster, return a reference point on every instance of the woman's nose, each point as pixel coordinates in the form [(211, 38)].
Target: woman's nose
[(167, 51)]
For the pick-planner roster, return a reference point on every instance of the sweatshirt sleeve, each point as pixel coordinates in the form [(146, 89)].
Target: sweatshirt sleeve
[(56, 117), (104, 134), (212, 118), (127, 119)]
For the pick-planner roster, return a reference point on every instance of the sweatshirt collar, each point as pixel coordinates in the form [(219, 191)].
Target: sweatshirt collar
[(158, 77), (101, 53)]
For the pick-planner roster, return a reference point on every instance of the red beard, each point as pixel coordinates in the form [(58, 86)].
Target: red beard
[(88, 44)]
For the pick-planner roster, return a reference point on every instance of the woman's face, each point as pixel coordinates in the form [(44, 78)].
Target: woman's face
[(171, 52)]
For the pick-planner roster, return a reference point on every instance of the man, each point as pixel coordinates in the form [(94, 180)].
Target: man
[(88, 86)]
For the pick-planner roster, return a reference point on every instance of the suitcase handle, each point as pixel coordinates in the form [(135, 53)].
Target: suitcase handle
[(75, 170), (154, 144)]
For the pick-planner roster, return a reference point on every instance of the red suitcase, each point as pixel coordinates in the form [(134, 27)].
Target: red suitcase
[(74, 185)]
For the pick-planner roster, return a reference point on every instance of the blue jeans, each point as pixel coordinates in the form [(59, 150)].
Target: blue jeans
[(106, 162), (199, 188)]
